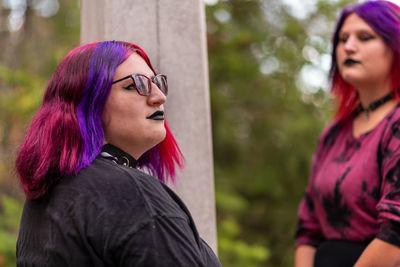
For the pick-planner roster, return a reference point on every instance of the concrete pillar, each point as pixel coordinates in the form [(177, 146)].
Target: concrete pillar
[(173, 34)]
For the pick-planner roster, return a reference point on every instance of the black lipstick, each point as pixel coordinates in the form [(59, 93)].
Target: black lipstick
[(351, 62), (158, 115)]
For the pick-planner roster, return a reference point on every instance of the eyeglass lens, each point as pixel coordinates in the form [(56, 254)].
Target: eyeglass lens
[(143, 84)]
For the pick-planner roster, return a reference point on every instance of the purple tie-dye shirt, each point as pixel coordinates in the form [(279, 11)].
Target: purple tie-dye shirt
[(354, 188)]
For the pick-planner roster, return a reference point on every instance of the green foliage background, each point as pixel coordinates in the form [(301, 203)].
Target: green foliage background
[(266, 121)]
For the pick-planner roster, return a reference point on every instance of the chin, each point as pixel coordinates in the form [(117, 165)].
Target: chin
[(159, 136), (163, 135), (354, 79)]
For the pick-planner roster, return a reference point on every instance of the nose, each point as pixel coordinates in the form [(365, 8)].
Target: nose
[(156, 97), (350, 46)]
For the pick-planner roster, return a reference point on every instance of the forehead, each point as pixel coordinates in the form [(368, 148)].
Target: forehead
[(353, 23), (134, 64)]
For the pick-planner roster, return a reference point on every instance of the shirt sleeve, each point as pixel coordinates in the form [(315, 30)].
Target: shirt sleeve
[(388, 206), (308, 231)]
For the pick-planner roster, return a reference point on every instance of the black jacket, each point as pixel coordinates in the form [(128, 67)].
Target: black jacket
[(110, 215)]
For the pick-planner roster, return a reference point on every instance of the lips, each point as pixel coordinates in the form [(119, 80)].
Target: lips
[(158, 116), (351, 62)]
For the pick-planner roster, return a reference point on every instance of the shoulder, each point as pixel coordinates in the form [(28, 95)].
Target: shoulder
[(104, 186), (104, 176), (107, 186), (99, 176), (393, 122), (390, 136), (104, 195)]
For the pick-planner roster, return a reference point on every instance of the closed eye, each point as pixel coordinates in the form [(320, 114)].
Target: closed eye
[(130, 87), (343, 38), (366, 37)]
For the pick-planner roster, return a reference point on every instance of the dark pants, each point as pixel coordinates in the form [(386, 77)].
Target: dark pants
[(338, 253)]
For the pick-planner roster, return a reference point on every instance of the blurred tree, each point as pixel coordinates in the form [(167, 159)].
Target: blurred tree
[(34, 36)]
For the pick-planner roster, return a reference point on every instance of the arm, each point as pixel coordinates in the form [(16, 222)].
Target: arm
[(308, 232), (384, 250), (379, 253), (304, 256)]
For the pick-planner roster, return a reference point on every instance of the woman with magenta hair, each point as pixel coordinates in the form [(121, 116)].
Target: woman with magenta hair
[(87, 203), (350, 214)]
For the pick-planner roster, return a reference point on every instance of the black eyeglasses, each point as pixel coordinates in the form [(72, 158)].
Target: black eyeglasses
[(142, 83)]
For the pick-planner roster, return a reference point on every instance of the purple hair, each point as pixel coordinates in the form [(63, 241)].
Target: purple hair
[(67, 133), (384, 18)]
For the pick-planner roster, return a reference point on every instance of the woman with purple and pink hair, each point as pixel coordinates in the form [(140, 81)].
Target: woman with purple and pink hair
[(87, 203), (350, 214)]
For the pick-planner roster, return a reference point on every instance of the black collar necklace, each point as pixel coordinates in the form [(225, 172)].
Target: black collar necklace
[(118, 156), (374, 105)]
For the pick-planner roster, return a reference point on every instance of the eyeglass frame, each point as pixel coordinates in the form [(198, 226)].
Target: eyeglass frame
[(150, 80)]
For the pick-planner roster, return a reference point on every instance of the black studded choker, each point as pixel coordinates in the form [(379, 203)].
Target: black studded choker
[(374, 105), (118, 156)]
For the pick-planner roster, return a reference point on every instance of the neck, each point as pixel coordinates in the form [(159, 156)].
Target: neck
[(133, 151), (118, 155), (369, 93)]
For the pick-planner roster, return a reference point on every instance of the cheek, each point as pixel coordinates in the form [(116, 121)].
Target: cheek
[(105, 121), (111, 117), (382, 62), (339, 53), (381, 51), (339, 58), (105, 118), (389, 59)]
